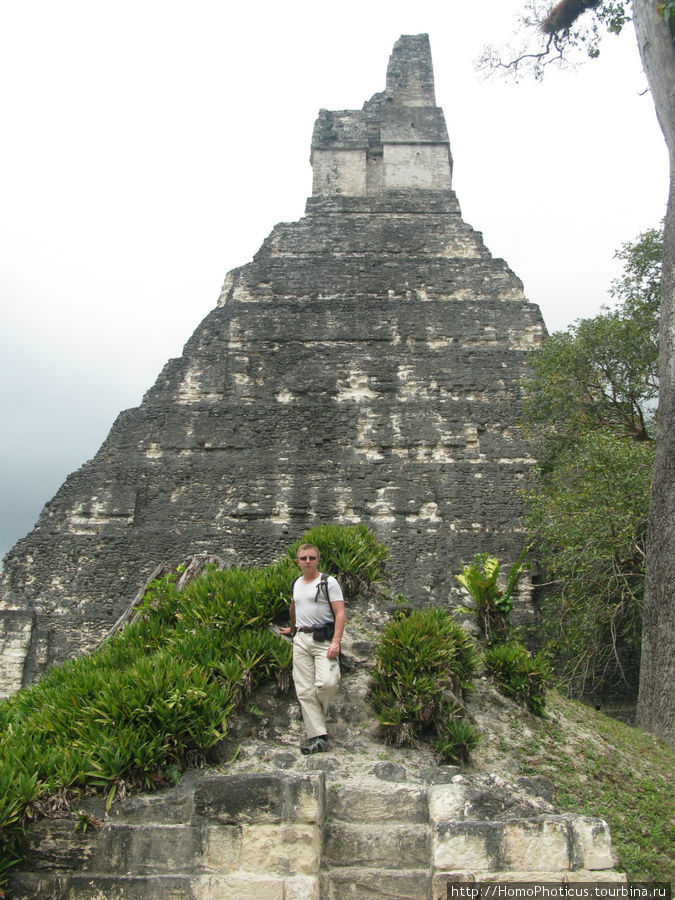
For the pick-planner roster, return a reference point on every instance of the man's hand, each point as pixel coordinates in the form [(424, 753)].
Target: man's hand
[(333, 650), (285, 629)]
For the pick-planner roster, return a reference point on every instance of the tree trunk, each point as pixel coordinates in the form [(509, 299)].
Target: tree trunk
[(655, 709)]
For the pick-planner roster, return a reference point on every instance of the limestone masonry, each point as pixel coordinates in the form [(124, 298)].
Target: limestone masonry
[(302, 836), (366, 367)]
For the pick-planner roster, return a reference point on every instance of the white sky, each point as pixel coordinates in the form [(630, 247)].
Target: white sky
[(149, 146)]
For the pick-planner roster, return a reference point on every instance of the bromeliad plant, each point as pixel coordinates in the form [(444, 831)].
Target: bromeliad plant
[(518, 674), (455, 741), (157, 696), (353, 555), (424, 662), (491, 605)]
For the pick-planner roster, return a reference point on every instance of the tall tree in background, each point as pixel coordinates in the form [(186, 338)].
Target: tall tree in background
[(590, 417), (560, 28), (656, 706)]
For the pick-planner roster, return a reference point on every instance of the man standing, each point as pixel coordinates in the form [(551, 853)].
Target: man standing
[(317, 611)]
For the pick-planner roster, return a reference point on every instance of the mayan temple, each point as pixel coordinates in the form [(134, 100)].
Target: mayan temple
[(365, 366)]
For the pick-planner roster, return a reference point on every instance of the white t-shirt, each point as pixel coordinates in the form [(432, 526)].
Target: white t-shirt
[(311, 609)]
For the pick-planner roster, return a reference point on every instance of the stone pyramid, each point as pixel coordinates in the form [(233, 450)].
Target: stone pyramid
[(365, 367)]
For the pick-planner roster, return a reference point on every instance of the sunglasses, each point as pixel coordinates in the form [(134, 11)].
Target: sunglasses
[(307, 558)]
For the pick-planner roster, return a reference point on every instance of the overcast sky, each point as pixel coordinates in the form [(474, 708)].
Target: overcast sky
[(149, 146)]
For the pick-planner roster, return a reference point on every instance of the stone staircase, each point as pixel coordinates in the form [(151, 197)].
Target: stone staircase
[(213, 836), (302, 836), (361, 821), (376, 841)]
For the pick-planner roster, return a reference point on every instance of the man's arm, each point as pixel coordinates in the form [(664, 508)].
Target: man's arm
[(291, 617), (340, 619)]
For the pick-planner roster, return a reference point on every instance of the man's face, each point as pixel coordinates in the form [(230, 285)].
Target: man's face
[(308, 560)]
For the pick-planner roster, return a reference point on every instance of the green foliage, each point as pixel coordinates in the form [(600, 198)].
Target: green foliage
[(638, 288), (667, 10), (613, 16), (590, 519), (518, 674), (158, 695), (590, 415), (455, 741), (352, 554), (491, 605), (602, 373), (424, 660)]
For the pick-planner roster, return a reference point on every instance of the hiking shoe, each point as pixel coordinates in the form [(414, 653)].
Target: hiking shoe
[(315, 745)]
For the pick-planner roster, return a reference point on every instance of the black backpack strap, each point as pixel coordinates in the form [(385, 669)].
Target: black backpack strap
[(323, 585), (293, 585)]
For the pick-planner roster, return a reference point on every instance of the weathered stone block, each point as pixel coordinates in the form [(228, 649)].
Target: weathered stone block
[(539, 845), (366, 884), (54, 844), (516, 877), (441, 880), (339, 171), (467, 846), (173, 807), (130, 887), (377, 804), (447, 803), (261, 798), (38, 886), (16, 629), (395, 846), (389, 771), (591, 843), (281, 849), (221, 847), (425, 167), (301, 887), (484, 797), (150, 849), (248, 886), (587, 876)]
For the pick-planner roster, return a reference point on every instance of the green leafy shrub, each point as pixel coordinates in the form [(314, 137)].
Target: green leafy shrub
[(491, 605), (455, 741), (518, 674), (352, 554), (157, 696), (424, 660), (589, 517), (590, 418)]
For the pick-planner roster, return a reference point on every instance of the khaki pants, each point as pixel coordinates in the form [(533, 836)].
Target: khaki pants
[(316, 680)]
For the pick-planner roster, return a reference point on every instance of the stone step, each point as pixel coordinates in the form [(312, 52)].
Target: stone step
[(47, 886), (122, 849), (563, 842), (355, 883), (30, 886), (377, 846), (379, 802), (142, 849), (267, 797)]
